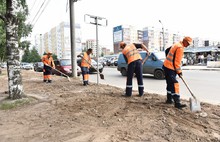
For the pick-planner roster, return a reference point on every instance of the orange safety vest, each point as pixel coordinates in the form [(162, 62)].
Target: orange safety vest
[(48, 61), (175, 63), (131, 53), (86, 58)]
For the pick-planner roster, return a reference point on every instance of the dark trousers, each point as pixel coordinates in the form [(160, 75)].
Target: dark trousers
[(85, 74), (171, 81), (135, 67), (47, 71)]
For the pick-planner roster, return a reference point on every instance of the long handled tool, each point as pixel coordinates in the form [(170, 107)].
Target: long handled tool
[(194, 103), (145, 59), (100, 74), (61, 73)]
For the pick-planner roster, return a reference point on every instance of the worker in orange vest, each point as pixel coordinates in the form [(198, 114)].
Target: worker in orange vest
[(85, 65), (48, 65), (172, 67), (134, 61)]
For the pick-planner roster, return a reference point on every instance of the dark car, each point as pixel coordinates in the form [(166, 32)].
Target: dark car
[(38, 66), (93, 67), (64, 66), (152, 66)]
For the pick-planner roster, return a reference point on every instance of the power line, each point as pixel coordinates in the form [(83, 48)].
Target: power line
[(33, 5), (42, 12), (38, 11)]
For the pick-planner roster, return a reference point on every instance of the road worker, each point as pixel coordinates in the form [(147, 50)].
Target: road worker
[(134, 61), (48, 66), (85, 65), (172, 67)]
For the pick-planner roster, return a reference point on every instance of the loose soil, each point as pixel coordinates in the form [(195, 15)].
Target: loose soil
[(66, 111)]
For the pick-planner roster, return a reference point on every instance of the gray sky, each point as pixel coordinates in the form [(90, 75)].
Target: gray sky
[(190, 17)]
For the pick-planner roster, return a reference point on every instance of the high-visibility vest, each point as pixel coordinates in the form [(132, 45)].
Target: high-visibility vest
[(86, 60), (174, 57), (131, 53), (48, 60)]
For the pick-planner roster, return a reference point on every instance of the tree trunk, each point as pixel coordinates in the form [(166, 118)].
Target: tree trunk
[(13, 56)]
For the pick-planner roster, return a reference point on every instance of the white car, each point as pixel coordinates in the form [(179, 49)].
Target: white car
[(27, 66), (184, 62)]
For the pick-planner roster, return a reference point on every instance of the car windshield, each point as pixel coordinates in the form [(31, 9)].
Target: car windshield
[(65, 62), (160, 55)]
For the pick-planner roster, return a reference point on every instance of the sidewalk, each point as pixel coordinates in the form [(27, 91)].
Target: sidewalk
[(188, 67)]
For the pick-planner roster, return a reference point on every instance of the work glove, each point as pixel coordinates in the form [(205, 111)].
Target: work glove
[(180, 74)]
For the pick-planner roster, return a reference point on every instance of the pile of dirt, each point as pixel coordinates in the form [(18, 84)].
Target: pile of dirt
[(66, 111)]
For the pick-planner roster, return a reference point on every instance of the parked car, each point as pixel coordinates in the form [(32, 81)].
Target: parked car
[(153, 65), (26, 66), (93, 67), (64, 66), (38, 66)]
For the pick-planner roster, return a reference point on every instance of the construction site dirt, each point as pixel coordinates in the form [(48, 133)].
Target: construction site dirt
[(67, 111)]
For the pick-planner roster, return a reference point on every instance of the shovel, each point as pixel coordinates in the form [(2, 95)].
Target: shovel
[(145, 59), (61, 73), (194, 103), (100, 74)]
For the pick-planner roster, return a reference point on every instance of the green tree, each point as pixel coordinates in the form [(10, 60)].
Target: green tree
[(31, 56), (13, 14)]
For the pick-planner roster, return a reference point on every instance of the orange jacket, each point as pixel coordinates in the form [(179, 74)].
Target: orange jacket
[(131, 53), (175, 63), (86, 58), (48, 61)]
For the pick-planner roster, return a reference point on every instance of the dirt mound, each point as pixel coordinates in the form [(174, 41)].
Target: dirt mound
[(69, 112)]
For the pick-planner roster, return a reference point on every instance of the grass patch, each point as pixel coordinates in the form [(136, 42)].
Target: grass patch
[(13, 104)]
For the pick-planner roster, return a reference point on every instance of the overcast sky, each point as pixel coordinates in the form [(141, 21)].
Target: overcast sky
[(191, 17)]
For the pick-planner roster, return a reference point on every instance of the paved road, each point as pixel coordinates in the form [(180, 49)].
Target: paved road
[(204, 84)]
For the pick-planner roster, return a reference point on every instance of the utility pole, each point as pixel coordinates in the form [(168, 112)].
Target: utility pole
[(73, 39), (163, 36), (96, 22)]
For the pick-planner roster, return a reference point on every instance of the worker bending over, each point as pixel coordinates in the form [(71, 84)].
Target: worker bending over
[(85, 65), (48, 65), (134, 61)]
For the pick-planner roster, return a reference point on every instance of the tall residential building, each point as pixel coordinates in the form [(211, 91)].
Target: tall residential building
[(127, 33), (57, 40)]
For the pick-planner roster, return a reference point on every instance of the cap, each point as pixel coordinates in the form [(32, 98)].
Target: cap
[(188, 39), (49, 53)]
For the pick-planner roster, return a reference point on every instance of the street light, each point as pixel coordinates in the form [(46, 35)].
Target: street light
[(72, 35), (96, 22), (163, 35)]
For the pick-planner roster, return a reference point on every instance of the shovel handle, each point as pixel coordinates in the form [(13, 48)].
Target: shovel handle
[(187, 87), (145, 59)]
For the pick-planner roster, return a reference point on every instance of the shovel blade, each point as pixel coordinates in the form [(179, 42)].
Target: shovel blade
[(194, 105)]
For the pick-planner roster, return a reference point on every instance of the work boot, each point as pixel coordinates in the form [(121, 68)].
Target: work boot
[(44, 80), (141, 91), (49, 81), (128, 91), (177, 103), (169, 99)]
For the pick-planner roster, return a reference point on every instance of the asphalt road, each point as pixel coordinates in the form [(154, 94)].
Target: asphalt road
[(205, 85)]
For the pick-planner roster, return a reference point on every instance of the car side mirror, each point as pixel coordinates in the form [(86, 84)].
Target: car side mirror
[(154, 58)]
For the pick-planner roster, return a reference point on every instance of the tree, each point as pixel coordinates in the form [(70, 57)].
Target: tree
[(13, 14), (31, 56)]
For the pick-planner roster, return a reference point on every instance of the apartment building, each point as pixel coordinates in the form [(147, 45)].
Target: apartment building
[(127, 33), (57, 40)]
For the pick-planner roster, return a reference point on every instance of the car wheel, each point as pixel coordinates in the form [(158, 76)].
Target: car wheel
[(159, 74), (123, 72)]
